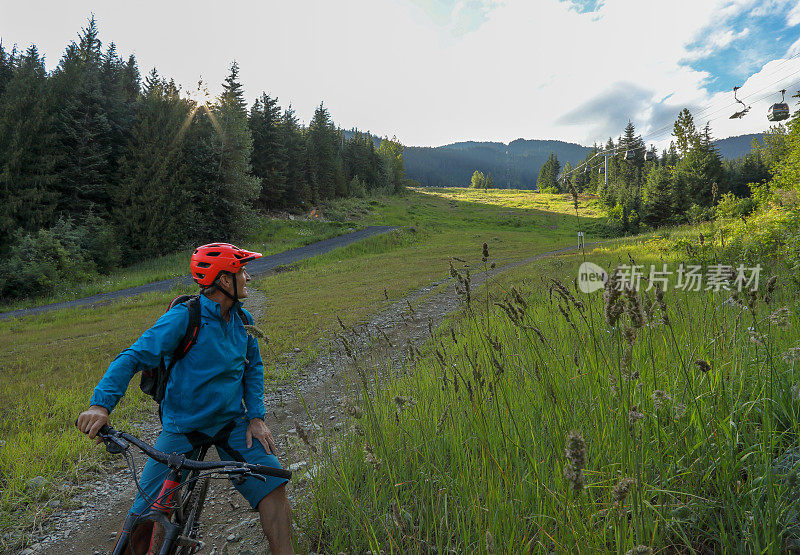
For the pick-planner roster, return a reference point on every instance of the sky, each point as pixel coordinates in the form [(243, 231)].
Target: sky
[(437, 72)]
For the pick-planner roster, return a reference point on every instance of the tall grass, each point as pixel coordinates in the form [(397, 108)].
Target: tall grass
[(547, 420)]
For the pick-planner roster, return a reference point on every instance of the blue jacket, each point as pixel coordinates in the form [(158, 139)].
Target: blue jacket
[(220, 378)]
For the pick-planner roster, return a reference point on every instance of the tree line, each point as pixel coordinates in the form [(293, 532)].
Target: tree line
[(101, 168), (682, 184)]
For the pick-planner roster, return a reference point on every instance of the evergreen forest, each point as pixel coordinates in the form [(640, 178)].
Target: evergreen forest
[(687, 182), (101, 167)]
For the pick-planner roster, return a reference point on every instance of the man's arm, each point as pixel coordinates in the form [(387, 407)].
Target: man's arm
[(146, 352), (254, 380)]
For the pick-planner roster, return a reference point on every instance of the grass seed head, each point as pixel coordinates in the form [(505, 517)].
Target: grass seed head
[(576, 450), (355, 411), (369, 456), (703, 365), (634, 308), (780, 318), (619, 493), (256, 333), (640, 550), (660, 398), (771, 283), (489, 543), (634, 416), (576, 461), (613, 308), (792, 354)]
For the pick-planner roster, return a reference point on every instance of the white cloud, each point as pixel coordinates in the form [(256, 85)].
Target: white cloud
[(793, 18), (486, 70)]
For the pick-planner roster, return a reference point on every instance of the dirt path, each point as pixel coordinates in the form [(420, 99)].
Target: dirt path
[(255, 269), (229, 526)]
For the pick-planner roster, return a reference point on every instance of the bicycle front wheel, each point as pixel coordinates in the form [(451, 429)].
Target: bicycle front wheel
[(192, 510)]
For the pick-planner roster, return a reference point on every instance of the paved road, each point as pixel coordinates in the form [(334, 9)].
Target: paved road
[(255, 268)]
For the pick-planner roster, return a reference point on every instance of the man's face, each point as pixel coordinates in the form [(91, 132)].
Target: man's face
[(241, 278)]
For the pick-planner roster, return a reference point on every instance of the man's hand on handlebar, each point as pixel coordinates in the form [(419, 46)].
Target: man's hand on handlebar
[(90, 421)]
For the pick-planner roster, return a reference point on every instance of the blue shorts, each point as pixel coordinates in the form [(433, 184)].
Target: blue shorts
[(231, 444)]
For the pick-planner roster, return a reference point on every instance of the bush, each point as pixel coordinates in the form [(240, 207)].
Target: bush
[(39, 261), (730, 206), (549, 190), (696, 214), (357, 188)]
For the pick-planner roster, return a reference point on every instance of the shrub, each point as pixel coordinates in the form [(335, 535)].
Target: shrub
[(730, 206), (38, 262)]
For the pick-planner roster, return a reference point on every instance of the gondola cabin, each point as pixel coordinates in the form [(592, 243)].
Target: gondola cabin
[(649, 156), (601, 170), (630, 155), (778, 112)]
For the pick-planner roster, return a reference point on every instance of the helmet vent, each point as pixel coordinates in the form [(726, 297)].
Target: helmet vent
[(204, 264), (215, 253), (199, 275)]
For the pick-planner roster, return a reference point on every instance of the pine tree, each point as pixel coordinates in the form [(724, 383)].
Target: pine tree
[(155, 201), (119, 93), (391, 150), (232, 193), (657, 197), (548, 174), (269, 158), (7, 62), (84, 131), (27, 195), (477, 180), (321, 144), (685, 132), (298, 186)]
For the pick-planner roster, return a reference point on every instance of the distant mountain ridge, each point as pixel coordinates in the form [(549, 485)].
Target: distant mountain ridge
[(734, 147), (513, 166)]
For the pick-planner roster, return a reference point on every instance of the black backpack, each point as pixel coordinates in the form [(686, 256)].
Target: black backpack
[(154, 380)]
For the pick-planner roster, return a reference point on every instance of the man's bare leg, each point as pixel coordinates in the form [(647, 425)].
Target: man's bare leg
[(275, 520)]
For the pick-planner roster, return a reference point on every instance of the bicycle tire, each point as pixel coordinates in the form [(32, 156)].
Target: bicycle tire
[(194, 507)]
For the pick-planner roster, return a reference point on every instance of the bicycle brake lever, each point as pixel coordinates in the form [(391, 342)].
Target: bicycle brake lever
[(115, 445)]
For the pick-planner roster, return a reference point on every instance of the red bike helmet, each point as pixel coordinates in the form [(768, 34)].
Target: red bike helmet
[(209, 260)]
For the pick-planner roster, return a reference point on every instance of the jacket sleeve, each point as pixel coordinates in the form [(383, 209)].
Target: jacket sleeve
[(146, 352), (254, 380)]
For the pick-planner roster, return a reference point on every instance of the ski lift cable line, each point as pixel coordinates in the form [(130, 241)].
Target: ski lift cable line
[(663, 132), (700, 115), (659, 133)]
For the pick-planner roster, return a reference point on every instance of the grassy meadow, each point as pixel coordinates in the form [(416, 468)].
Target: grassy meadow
[(267, 236), (547, 420), (49, 364)]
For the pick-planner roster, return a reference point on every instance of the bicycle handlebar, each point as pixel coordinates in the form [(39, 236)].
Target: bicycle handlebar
[(110, 437)]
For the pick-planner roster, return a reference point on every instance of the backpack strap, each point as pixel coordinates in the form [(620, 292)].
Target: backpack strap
[(190, 336), (245, 317)]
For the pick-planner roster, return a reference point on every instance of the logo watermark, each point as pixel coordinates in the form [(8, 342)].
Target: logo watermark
[(686, 277), (591, 277)]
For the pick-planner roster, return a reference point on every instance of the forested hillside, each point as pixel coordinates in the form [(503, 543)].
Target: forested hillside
[(736, 147), (687, 182), (100, 168), (513, 166)]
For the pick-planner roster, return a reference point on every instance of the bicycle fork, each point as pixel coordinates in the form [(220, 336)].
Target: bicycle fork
[(159, 514)]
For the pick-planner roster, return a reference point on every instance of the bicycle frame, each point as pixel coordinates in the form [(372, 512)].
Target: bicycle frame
[(167, 510), (169, 499)]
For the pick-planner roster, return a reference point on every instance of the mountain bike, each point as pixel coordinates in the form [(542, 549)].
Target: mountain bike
[(177, 511)]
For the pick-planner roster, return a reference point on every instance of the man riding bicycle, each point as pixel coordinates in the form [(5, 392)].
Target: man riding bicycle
[(214, 395)]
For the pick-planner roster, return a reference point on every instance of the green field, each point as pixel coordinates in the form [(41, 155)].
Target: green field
[(539, 427), (49, 364), (267, 236)]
